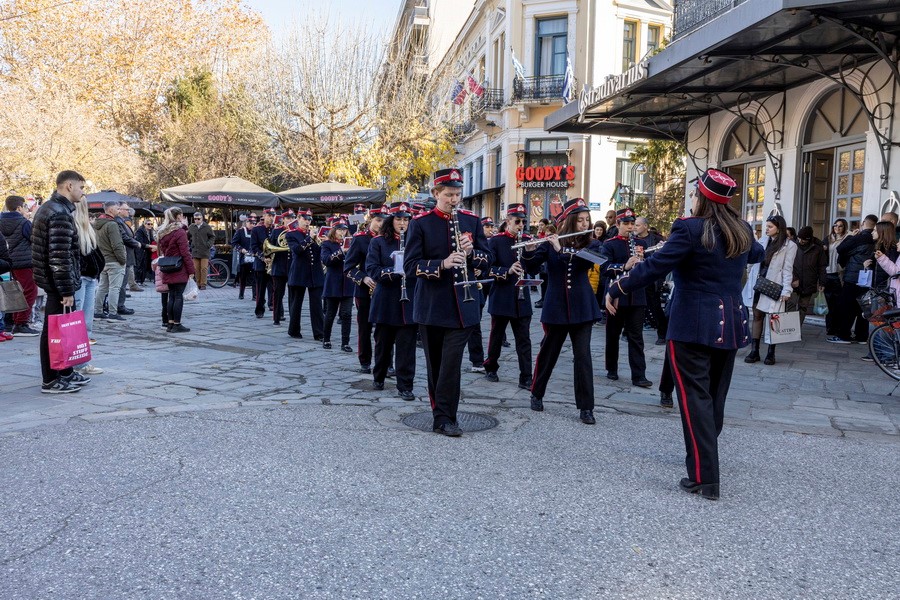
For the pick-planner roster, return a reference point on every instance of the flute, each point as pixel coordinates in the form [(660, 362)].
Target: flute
[(547, 239)]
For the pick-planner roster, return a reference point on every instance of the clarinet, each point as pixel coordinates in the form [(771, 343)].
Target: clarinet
[(403, 295), (521, 293), (467, 295)]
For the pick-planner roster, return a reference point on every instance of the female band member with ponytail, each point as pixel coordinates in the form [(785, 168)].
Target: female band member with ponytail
[(707, 254)]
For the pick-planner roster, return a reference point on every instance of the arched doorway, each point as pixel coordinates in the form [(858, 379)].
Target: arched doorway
[(834, 158), (744, 158)]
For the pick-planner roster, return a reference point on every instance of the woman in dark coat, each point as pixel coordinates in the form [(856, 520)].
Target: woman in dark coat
[(173, 241), (338, 291)]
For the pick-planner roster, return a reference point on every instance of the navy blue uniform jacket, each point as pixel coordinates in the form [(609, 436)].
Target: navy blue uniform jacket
[(306, 268), (430, 239), (617, 252), (281, 261), (570, 298), (258, 236), (707, 307), (242, 239), (355, 262), (386, 305), (336, 285), (503, 299)]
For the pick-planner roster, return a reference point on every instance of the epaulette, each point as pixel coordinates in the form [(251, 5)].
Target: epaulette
[(463, 211), (424, 214), (359, 233), (507, 234), (621, 237)]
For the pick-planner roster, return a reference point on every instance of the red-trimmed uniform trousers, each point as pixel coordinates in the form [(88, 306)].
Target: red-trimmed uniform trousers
[(702, 376), (551, 346), (364, 328), (520, 329)]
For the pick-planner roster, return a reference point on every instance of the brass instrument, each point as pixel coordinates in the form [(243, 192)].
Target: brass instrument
[(467, 295), (269, 250), (518, 245)]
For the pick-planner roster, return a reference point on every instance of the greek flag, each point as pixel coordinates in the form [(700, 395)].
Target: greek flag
[(517, 67), (568, 91)]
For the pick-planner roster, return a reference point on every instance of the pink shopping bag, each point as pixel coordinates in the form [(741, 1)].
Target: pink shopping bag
[(68, 340)]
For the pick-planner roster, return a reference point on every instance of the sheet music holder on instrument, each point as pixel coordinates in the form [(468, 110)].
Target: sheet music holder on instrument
[(526, 282), (594, 257)]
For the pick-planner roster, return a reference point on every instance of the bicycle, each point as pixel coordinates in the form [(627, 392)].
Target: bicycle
[(884, 343), (218, 273)]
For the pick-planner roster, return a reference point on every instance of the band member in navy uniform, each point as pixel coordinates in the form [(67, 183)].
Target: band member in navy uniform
[(570, 307), (355, 269), (622, 253), (241, 243), (508, 304), (281, 264), (392, 309), (443, 247), (338, 290), (263, 282), (306, 275), (707, 255)]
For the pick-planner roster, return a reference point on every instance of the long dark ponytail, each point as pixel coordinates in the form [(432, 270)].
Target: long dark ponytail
[(721, 218)]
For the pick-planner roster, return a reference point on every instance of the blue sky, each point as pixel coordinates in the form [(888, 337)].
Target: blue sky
[(279, 14)]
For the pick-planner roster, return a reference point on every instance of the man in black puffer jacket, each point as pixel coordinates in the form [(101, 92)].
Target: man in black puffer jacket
[(56, 259), (855, 250)]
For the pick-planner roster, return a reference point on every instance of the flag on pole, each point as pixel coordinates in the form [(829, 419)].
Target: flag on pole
[(458, 93), (616, 197), (517, 66), (568, 91), (473, 86)]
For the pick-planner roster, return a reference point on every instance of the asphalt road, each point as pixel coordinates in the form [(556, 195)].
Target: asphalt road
[(312, 501)]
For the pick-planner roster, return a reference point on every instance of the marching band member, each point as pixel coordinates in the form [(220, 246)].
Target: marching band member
[(392, 306), (442, 248), (306, 274), (280, 264), (623, 252), (570, 308), (241, 243), (707, 255), (355, 269), (262, 281), (338, 290), (508, 304)]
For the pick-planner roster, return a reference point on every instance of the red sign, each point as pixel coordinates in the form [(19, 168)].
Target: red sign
[(546, 177)]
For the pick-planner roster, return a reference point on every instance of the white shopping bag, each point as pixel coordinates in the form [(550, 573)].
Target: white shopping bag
[(782, 327)]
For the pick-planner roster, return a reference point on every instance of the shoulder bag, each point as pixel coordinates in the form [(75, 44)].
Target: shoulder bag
[(767, 287), (12, 298)]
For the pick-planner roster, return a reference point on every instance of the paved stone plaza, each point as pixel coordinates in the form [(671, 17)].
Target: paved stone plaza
[(234, 462)]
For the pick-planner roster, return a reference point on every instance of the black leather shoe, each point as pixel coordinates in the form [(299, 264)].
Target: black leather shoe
[(377, 385), (526, 384), (240, 296), (660, 342), (125, 311), (492, 376), (537, 404), (612, 376), (643, 382), (347, 348), (367, 369), (391, 373), (505, 344), (449, 429), (665, 400), (259, 316), (710, 491), (326, 345), (406, 395), (587, 417)]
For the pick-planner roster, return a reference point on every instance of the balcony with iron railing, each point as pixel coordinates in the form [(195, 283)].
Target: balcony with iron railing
[(541, 88), (691, 14), (492, 99)]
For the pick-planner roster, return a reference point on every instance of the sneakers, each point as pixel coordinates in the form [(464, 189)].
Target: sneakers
[(101, 315), (125, 311), (92, 341), (868, 357), (179, 328), (77, 378), (59, 386), (833, 339), (90, 370), (477, 369), (492, 376), (114, 317), (24, 331), (5, 336), (347, 348), (135, 288), (326, 345)]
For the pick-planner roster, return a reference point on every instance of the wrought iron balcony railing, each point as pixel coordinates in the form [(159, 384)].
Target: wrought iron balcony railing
[(462, 129), (541, 87), (491, 100), (691, 14)]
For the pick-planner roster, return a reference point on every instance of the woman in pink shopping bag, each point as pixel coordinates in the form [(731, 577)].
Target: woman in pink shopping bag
[(172, 242)]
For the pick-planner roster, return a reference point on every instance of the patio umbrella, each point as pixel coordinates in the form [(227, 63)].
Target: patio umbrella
[(332, 197), (221, 192)]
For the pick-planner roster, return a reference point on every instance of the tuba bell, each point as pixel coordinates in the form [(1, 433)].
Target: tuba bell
[(269, 249)]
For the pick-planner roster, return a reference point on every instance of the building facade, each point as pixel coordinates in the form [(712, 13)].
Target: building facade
[(506, 72), (797, 100)]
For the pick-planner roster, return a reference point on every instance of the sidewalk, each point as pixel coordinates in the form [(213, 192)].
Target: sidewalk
[(232, 359)]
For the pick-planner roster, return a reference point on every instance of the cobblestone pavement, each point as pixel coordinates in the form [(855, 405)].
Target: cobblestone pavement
[(233, 462), (230, 358)]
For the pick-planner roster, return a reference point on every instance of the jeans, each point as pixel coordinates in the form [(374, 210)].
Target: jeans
[(111, 283), (85, 299)]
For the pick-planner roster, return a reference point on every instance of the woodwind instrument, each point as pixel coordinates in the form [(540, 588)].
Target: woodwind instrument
[(521, 293), (518, 245), (398, 259), (467, 294)]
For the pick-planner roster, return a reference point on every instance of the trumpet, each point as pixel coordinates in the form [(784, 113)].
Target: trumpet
[(467, 295), (518, 245)]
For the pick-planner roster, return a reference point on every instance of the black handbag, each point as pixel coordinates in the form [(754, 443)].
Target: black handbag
[(767, 287), (875, 302), (170, 264)]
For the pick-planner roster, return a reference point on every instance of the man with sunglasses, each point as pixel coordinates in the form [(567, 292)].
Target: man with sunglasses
[(202, 239), (505, 304)]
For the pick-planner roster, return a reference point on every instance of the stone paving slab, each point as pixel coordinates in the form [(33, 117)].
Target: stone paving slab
[(215, 366)]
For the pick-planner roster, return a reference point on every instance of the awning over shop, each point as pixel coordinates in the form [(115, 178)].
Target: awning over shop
[(98, 199), (332, 197), (749, 51), (484, 192), (221, 192)]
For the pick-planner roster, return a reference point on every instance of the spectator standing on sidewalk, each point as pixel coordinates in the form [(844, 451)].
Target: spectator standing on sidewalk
[(809, 269), (131, 245), (839, 232), (853, 253), (144, 235), (5, 263), (55, 256), (16, 228), (109, 240), (92, 264), (202, 239), (172, 241)]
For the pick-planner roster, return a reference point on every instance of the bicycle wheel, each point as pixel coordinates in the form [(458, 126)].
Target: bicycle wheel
[(884, 344), (218, 273)]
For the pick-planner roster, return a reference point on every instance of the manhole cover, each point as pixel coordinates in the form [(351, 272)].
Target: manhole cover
[(468, 422)]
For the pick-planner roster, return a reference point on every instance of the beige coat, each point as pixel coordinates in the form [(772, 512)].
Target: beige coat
[(781, 270)]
